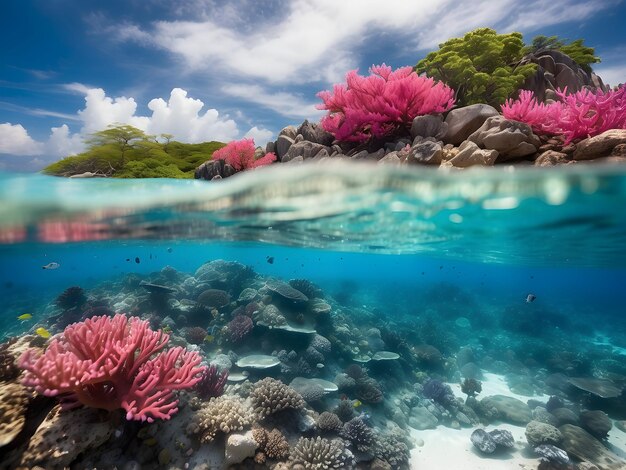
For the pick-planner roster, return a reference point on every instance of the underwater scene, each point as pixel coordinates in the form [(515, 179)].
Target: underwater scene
[(320, 317)]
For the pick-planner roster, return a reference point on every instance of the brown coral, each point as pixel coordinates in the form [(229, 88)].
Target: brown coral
[(270, 396), (321, 454), (272, 443), (13, 404), (8, 367), (329, 422), (223, 414), (214, 298)]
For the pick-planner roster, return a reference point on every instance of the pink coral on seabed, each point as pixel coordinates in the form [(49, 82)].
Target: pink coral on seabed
[(113, 363)]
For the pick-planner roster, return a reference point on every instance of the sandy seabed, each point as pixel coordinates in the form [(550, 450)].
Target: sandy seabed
[(451, 449)]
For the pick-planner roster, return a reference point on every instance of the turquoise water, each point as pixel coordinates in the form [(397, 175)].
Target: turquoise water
[(409, 251)]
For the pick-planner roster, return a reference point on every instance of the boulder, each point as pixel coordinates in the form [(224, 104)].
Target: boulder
[(390, 159), (429, 125), (314, 133), (596, 422), (509, 409), (552, 454), (289, 131), (464, 121), (282, 145), (422, 419), (582, 445), (512, 139), (470, 154), (426, 152), (538, 433), (303, 149), (565, 416), (503, 438), (551, 158), (483, 441), (600, 145), (214, 169)]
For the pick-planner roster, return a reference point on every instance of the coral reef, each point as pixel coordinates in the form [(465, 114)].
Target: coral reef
[(270, 396), (211, 383), (238, 328), (328, 421)]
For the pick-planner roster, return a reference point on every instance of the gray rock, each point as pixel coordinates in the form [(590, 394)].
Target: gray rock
[(422, 419), (464, 121), (509, 409), (362, 155), (538, 433), (314, 133), (579, 443), (544, 416), (565, 416), (429, 125), (566, 77), (270, 147), (552, 454), (483, 441), (289, 131), (299, 138), (547, 63), (503, 438), (282, 145), (426, 153), (470, 154), (303, 149), (214, 169), (600, 145), (511, 139), (596, 422)]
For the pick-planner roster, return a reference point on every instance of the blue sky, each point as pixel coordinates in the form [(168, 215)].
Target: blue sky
[(220, 70)]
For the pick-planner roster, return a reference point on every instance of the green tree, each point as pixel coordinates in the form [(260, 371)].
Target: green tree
[(482, 66), (121, 136), (583, 55)]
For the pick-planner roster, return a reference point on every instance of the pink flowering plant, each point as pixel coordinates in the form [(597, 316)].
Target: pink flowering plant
[(578, 115), (111, 363), (384, 103), (240, 155)]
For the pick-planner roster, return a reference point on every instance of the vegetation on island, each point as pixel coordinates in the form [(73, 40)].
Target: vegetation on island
[(123, 151), (583, 55)]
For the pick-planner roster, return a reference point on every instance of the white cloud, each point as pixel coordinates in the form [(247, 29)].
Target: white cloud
[(318, 40), (283, 103), (14, 140), (612, 76), (183, 117), (261, 136)]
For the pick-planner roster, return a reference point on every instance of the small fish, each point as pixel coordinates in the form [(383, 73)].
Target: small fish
[(356, 403), (209, 339), (25, 316), (137, 260), (530, 298), (41, 331), (166, 330), (270, 259), (52, 265), (169, 250), (150, 255)]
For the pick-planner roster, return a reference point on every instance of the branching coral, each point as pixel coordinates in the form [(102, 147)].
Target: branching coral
[(359, 434), (321, 454), (578, 115), (270, 396), (211, 383), (272, 443), (329, 422), (238, 328), (381, 104), (113, 363)]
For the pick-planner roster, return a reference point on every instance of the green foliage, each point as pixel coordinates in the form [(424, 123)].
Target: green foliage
[(126, 152), (482, 66), (584, 56)]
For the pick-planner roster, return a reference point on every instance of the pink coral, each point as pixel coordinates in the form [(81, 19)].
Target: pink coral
[(381, 103), (240, 155), (578, 115), (113, 363)]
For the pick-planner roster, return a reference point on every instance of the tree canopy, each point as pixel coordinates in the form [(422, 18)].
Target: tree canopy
[(123, 151), (482, 66)]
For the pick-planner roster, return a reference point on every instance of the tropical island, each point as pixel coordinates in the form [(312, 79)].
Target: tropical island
[(483, 99)]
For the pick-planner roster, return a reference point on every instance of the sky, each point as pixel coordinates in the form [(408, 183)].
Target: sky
[(222, 70)]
